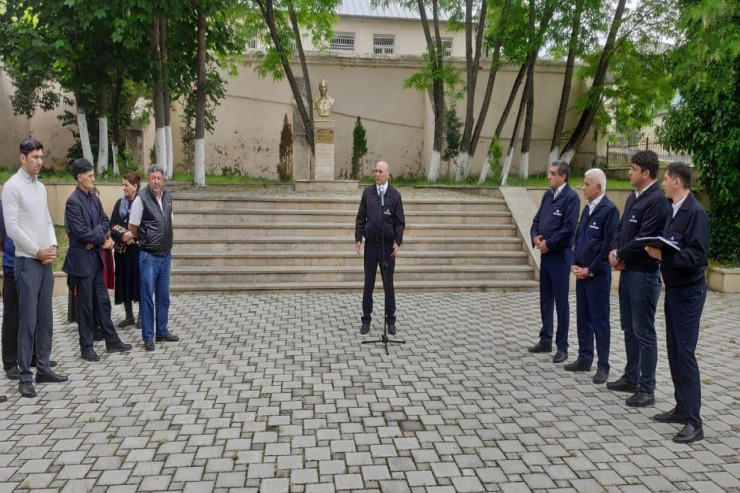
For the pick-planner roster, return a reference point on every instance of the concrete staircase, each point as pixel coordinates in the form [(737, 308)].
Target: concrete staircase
[(283, 241)]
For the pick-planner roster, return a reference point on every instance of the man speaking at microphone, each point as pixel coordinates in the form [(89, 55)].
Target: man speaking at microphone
[(380, 220)]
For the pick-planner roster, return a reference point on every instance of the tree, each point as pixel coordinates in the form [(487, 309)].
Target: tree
[(359, 148), (706, 71), (453, 139), (285, 166)]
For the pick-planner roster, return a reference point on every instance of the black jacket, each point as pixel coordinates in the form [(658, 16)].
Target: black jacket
[(643, 216), (689, 229), (556, 219), (83, 230), (594, 237), (368, 223), (155, 230)]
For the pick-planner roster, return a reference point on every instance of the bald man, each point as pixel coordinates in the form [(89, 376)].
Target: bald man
[(380, 220)]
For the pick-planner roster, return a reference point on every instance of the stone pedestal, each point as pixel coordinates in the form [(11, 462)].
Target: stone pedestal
[(324, 146)]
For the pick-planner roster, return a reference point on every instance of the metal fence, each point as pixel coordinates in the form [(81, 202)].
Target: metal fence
[(620, 155)]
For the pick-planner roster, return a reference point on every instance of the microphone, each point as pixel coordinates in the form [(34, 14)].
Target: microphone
[(382, 197)]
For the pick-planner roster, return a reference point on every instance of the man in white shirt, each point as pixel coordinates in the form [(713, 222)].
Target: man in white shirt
[(28, 224)]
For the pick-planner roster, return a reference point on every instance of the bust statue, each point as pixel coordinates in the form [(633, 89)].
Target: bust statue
[(323, 103)]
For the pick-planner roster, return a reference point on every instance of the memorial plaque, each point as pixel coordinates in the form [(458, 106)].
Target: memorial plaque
[(324, 136)]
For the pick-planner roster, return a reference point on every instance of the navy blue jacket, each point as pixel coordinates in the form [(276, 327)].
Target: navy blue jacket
[(689, 229), (369, 223), (81, 230), (556, 219), (643, 216), (7, 244), (594, 237)]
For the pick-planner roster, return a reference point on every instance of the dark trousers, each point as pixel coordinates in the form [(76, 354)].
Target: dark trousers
[(592, 318), (93, 304), (638, 298), (10, 320), (35, 284), (375, 253), (554, 277), (683, 307)]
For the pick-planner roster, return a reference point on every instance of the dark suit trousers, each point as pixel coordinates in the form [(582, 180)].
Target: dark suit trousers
[(10, 320), (35, 284), (94, 304), (592, 318), (554, 278), (683, 307), (374, 255)]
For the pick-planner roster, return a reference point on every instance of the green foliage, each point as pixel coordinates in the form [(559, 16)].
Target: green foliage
[(285, 166), (453, 135), (424, 79), (706, 70), (359, 148)]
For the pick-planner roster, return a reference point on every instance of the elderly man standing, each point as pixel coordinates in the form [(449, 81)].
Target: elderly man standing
[(593, 275), (150, 221), (381, 221), (28, 224), (87, 228)]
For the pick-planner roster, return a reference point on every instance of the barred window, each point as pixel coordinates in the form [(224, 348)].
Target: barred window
[(383, 44), (252, 42), (446, 46), (343, 42)]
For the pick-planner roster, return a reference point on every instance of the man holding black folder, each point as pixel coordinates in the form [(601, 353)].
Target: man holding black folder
[(685, 292), (645, 213)]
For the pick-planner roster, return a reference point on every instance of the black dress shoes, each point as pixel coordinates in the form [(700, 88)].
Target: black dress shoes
[(689, 434), (13, 373), (50, 377), (559, 357), (167, 337), (149, 345), (392, 329), (622, 385), (578, 365), (670, 417), (365, 328), (3, 398), (119, 347), (26, 389), (600, 377), (641, 399), (90, 355), (126, 322), (540, 348)]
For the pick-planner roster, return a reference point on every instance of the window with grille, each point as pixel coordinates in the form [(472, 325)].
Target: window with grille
[(383, 44), (252, 42), (343, 42), (446, 46)]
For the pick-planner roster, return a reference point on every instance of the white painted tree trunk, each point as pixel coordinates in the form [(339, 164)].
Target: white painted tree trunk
[(160, 146), (434, 166), (170, 155), (554, 155), (568, 156), (200, 162), (102, 145), (114, 148), (463, 166), (484, 171), (524, 165), (507, 167), (84, 135)]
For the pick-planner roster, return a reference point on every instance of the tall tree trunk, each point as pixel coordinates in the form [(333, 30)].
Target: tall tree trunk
[(102, 164), (595, 92), (200, 102), (267, 9), (528, 94), (557, 134), (512, 144), (160, 142), (164, 54), (82, 124), (115, 121), (302, 58)]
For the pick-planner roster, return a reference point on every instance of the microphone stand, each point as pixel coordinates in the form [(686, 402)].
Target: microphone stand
[(383, 267)]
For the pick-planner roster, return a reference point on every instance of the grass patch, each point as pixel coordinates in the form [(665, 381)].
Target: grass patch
[(63, 242), (534, 181)]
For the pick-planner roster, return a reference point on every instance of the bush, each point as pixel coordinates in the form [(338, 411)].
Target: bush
[(359, 148), (285, 166)]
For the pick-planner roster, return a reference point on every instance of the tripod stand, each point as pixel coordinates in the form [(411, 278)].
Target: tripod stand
[(383, 275)]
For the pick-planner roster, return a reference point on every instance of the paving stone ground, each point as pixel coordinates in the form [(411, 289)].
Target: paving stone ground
[(275, 393)]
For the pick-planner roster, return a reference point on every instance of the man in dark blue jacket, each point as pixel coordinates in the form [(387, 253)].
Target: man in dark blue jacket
[(87, 227), (594, 275), (685, 292), (381, 221), (645, 213), (552, 234)]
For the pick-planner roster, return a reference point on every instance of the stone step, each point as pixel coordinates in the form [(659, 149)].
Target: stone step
[(186, 243), (249, 274), (345, 230), (345, 258), (245, 202), (191, 215), (335, 286)]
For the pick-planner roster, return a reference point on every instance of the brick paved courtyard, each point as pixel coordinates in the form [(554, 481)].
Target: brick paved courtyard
[(275, 394)]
